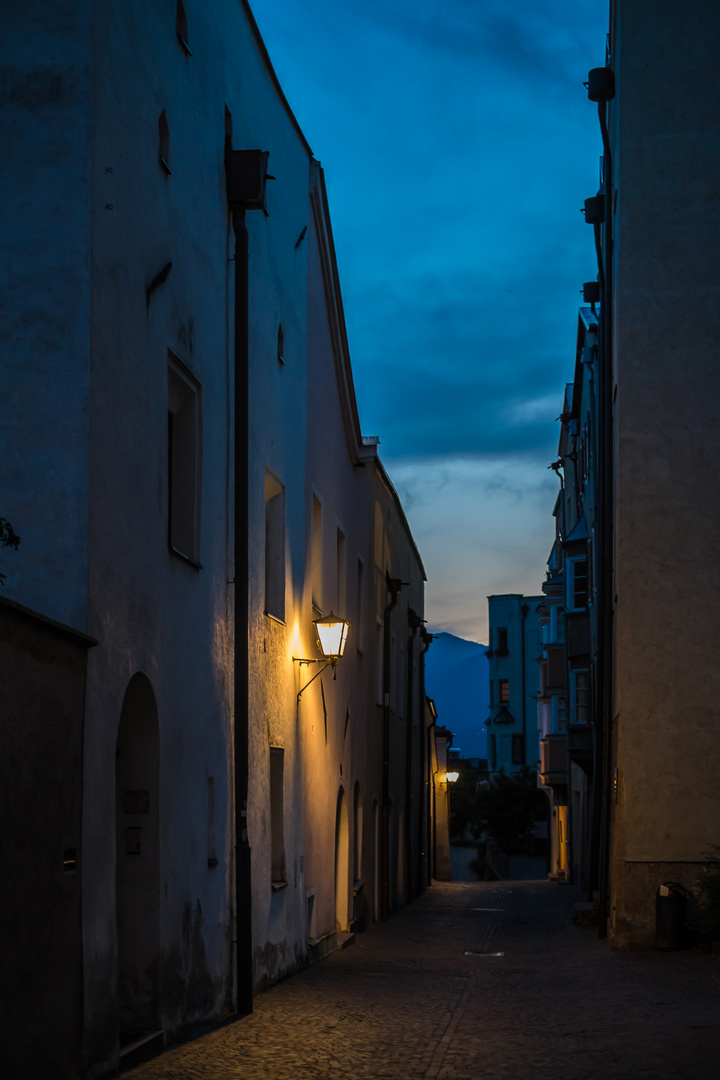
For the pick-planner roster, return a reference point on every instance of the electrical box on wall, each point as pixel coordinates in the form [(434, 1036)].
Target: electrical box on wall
[(246, 178)]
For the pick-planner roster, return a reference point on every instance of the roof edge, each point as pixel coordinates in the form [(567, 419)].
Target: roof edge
[(262, 49), (393, 492)]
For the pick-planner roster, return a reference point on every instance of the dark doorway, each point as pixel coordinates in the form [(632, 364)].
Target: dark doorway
[(342, 867), (137, 850)]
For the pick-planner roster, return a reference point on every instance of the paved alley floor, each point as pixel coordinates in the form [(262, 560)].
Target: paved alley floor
[(426, 995)]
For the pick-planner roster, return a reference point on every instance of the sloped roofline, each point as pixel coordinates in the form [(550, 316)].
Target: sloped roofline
[(361, 450), (262, 49), (587, 323), (391, 489)]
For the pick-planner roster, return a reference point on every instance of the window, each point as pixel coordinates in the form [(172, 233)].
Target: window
[(274, 547), (184, 461), (357, 833), (340, 573), (379, 538), (164, 142), (181, 26), (580, 697), (493, 751), (393, 672), (504, 687), (502, 645), (379, 662), (277, 838), (589, 568), (316, 554), (576, 583), (212, 853), (360, 606), (281, 345), (560, 712), (518, 750), (584, 454)]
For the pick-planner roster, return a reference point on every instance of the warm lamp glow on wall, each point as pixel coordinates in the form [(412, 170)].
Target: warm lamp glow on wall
[(332, 636)]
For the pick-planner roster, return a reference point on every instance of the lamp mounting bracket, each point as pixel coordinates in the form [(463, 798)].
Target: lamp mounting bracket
[(328, 663)]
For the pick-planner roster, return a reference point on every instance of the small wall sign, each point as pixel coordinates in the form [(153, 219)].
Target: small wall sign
[(133, 841)]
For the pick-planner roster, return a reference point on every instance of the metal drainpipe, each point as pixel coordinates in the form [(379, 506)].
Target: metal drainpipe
[(605, 598), (523, 611), (425, 829), (407, 839), (414, 623), (394, 586), (243, 883)]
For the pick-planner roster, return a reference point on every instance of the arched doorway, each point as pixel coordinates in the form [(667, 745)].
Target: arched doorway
[(137, 881), (342, 852)]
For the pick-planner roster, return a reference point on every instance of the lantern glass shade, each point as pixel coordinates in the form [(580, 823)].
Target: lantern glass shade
[(332, 634), (451, 777)]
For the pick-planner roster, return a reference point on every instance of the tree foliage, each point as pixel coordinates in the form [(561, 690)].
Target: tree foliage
[(507, 807), (463, 805)]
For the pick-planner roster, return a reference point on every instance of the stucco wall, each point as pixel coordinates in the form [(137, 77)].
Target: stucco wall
[(395, 555), (155, 612), (667, 159), (333, 751), (667, 684), (47, 68), (144, 272), (278, 295)]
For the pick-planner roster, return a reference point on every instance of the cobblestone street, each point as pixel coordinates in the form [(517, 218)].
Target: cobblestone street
[(474, 981)]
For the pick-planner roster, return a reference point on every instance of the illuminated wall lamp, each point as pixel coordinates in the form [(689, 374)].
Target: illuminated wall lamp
[(451, 777), (332, 636)]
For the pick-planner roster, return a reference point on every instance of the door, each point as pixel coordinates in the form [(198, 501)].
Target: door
[(137, 859)]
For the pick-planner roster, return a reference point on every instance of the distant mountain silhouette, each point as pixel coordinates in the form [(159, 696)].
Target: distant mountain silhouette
[(456, 678)]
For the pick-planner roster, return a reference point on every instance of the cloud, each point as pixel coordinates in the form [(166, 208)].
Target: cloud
[(458, 145), (483, 526), (541, 38), (463, 367)]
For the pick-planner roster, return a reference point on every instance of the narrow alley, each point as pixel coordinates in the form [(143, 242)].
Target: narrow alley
[(473, 981)]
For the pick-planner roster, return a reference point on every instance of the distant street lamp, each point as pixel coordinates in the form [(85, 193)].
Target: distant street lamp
[(332, 635)]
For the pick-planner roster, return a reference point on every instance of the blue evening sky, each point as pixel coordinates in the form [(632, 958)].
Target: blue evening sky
[(458, 145)]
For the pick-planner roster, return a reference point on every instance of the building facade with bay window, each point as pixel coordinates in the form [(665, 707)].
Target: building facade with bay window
[(514, 682)]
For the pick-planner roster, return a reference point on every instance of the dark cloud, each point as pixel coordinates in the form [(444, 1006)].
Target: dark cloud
[(464, 365), (458, 145), (541, 39)]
